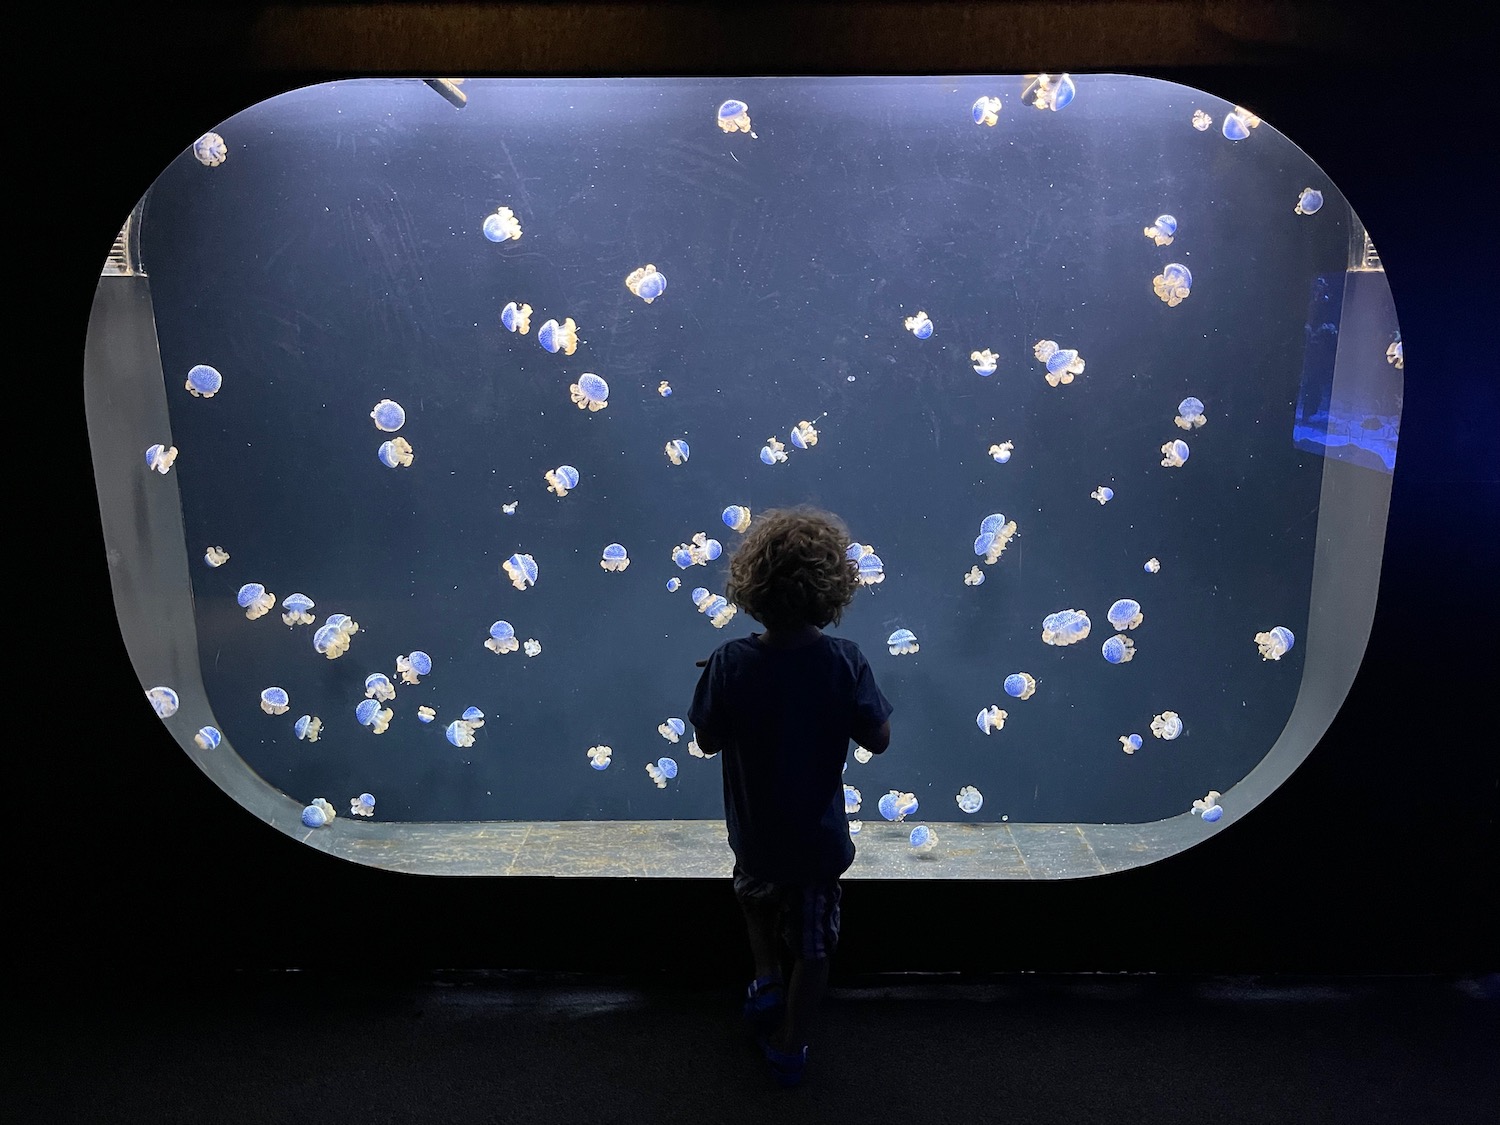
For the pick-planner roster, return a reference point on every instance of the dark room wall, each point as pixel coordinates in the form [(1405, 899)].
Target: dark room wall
[(1375, 855)]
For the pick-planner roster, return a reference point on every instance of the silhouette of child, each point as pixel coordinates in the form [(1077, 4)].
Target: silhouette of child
[(781, 706)]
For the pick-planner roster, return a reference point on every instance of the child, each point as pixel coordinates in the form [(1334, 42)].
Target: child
[(782, 706)]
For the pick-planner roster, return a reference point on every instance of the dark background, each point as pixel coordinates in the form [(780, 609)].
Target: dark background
[(1378, 854)]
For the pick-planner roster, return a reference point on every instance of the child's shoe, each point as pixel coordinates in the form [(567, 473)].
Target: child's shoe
[(765, 1001), (786, 1068)]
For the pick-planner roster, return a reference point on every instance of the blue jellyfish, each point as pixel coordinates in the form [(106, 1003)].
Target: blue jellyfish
[(562, 479), (897, 806), (615, 557), (160, 458), (1162, 231), (992, 524), (871, 569), (413, 664), (1020, 685), (970, 800), (366, 711), (502, 638), (204, 381), (379, 686), (1173, 284), (1309, 202), (521, 570), (1213, 813), (307, 728), (327, 638), (297, 607), (677, 451), (1238, 122), (1174, 454), (502, 225), (1065, 627), (736, 517), (163, 701), (208, 738), (395, 454), (516, 318), (1104, 494), (210, 150), (1275, 643), (554, 336), (273, 701), (363, 805), (314, 817), (674, 584), (1125, 614), (683, 556), (922, 838), (734, 116), (646, 282), (852, 799), (590, 393), (920, 325), (986, 111), (474, 716), (1049, 91), (902, 642), (1130, 743), (853, 551), (1119, 649), (1189, 414), (388, 416)]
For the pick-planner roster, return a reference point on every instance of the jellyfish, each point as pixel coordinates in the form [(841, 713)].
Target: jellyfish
[(502, 638), (994, 538), (210, 150), (426, 714), (672, 729), (371, 714), (662, 771), (772, 452), (703, 549), (1125, 614), (1152, 565), (1048, 91), (532, 647), (1119, 649), (975, 576), (919, 326), (254, 600), (677, 451), (1062, 363), (332, 640), (1104, 494), (388, 416), (1201, 120), (664, 389), (308, 728), (673, 585), (871, 569), (1020, 685), (1238, 122), (1208, 807), (599, 757), (521, 570), (216, 556), (561, 479), (1065, 627), (1189, 414), (296, 606), (203, 381), (694, 749), (852, 800), (990, 719), (1174, 454), (414, 664), (1130, 743), (1167, 725), (395, 454), (716, 608), (590, 393), (160, 458), (516, 318), (734, 115), (984, 362), (502, 225), (855, 550), (1276, 643), (208, 738), (1001, 452), (897, 805), (363, 805), (474, 717), (1395, 355), (378, 686), (923, 839), (856, 827), (318, 814), (1173, 284), (163, 701), (736, 517), (554, 336), (902, 642), (986, 111), (646, 283), (804, 435), (1310, 202), (1162, 231), (861, 755), (970, 800), (509, 509), (273, 701), (460, 733), (615, 558)]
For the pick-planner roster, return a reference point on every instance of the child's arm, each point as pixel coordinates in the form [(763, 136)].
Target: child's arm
[(875, 740)]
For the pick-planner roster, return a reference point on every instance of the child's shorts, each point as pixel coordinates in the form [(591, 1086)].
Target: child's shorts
[(809, 915)]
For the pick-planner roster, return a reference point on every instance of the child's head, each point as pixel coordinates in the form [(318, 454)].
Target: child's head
[(791, 569)]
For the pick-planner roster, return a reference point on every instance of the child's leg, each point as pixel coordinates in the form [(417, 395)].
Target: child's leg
[(762, 923), (817, 936)]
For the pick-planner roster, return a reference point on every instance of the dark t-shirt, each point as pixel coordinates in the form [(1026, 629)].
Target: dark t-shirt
[(785, 718)]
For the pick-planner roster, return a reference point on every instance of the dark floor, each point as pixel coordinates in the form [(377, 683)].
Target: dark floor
[(317, 1049)]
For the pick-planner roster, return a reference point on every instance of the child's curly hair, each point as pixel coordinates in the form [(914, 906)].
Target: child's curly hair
[(791, 569)]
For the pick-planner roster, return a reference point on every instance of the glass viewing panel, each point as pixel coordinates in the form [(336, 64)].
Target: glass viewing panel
[(427, 415)]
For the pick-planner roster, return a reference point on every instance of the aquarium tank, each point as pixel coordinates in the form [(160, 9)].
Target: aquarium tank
[(426, 416)]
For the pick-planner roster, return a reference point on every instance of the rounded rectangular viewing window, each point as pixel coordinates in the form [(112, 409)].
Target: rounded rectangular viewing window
[(427, 416)]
